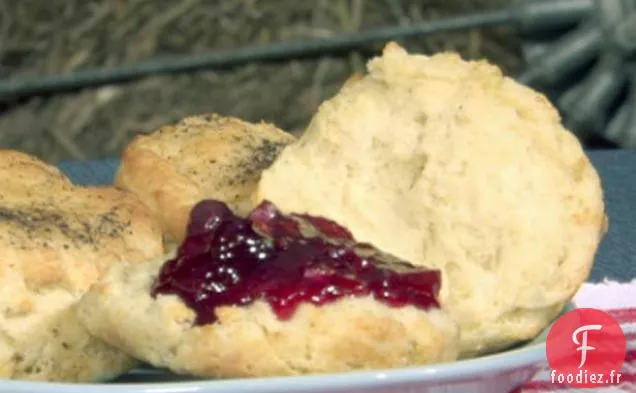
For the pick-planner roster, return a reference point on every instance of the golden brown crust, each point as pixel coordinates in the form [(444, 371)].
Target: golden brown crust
[(200, 157), (351, 334), (56, 240), (449, 164)]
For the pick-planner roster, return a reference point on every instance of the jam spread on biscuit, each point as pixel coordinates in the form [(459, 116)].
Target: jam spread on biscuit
[(284, 260)]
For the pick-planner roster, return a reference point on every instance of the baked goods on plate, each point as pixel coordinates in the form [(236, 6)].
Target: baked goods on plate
[(433, 209), (56, 240)]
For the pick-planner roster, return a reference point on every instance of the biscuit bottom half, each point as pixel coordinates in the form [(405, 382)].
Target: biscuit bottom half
[(353, 333)]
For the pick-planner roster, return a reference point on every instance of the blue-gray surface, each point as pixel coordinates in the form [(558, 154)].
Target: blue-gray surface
[(617, 255)]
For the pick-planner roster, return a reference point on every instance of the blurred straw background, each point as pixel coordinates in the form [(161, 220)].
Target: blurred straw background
[(40, 37)]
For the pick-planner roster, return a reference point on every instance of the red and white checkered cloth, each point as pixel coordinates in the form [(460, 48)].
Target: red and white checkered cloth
[(618, 300)]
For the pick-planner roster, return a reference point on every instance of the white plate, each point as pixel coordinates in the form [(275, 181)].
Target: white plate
[(499, 373)]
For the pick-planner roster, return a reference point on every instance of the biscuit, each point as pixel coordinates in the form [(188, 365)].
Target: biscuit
[(200, 157), (449, 164), (56, 240), (250, 341)]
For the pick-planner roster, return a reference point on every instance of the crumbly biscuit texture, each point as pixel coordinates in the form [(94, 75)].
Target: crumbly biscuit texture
[(447, 163), (250, 341), (56, 240), (200, 157)]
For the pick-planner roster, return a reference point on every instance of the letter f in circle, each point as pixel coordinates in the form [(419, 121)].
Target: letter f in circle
[(583, 344)]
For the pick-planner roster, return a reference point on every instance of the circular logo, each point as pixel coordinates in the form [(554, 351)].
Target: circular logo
[(586, 348)]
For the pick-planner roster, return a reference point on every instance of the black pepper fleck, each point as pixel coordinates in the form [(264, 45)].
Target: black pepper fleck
[(263, 155)]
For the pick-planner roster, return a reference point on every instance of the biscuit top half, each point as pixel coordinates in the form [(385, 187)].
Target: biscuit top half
[(449, 164), (57, 239), (200, 157)]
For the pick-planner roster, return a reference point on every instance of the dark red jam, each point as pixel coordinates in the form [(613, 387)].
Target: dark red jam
[(285, 260)]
